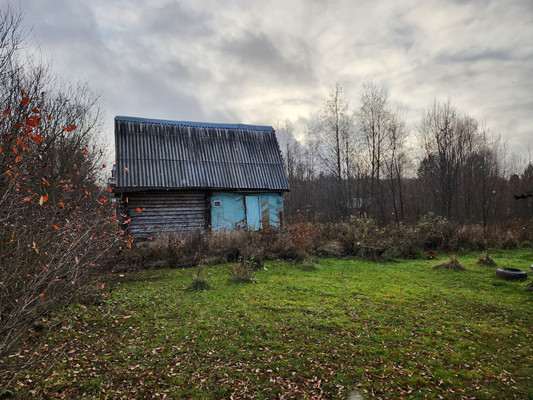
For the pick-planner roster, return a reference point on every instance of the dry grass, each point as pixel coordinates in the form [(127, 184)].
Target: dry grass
[(487, 260), (242, 272), (302, 239), (199, 282), (452, 265)]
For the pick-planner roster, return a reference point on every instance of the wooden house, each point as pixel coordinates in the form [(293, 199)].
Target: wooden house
[(179, 177)]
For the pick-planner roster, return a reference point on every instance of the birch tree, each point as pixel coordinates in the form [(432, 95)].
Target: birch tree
[(374, 125), (439, 169), (333, 138)]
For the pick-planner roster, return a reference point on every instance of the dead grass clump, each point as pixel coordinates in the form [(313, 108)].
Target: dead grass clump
[(242, 272), (487, 260), (452, 265), (308, 264), (199, 282), (469, 237), (330, 248), (174, 251)]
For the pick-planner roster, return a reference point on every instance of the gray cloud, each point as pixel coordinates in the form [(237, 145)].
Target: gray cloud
[(263, 62), (173, 19), (256, 54)]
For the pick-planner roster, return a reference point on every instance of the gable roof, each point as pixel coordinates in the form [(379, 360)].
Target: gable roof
[(160, 154)]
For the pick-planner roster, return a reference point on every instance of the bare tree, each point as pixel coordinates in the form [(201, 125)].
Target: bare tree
[(10, 36), (396, 161), (441, 146), (333, 140), (490, 174), (376, 125), (294, 159), (523, 190), (290, 148)]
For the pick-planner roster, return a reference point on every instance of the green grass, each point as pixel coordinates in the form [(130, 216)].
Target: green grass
[(386, 330)]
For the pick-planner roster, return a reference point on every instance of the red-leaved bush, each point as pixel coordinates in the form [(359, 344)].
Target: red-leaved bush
[(56, 222)]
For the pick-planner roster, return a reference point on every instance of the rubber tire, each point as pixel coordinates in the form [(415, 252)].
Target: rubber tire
[(511, 274)]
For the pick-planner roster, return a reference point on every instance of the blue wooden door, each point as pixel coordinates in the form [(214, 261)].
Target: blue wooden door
[(227, 211), (231, 211), (253, 211)]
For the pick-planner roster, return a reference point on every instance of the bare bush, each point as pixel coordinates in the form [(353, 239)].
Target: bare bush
[(301, 239), (56, 222)]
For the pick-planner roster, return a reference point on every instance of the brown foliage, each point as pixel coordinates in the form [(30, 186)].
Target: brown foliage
[(360, 237)]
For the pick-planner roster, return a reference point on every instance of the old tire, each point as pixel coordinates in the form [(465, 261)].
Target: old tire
[(511, 274)]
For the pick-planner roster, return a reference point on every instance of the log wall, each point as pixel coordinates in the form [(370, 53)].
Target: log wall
[(164, 212)]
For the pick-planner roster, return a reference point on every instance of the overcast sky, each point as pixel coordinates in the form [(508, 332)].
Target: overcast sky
[(261, 62)]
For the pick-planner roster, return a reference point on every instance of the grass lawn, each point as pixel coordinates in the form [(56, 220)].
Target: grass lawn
[(386, 330)]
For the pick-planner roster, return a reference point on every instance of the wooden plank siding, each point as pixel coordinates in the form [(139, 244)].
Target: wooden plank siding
[(165, 212)]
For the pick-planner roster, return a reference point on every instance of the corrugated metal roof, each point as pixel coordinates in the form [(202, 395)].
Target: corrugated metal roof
[(180, 154)]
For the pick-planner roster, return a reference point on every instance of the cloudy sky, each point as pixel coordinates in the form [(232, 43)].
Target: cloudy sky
[(261, 62)]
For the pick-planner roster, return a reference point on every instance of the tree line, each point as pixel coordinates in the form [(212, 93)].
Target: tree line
[(364, 160)]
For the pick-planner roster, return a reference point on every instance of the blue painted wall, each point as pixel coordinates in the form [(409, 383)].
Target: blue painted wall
[(231, 211)]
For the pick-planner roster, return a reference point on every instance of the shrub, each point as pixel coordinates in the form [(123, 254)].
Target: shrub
[(468, 237), (303, 238), (407, 249), (434, 232), (509, 242), (57, 224), (329, 248), (526, 245), (359, 232)]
